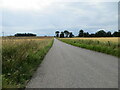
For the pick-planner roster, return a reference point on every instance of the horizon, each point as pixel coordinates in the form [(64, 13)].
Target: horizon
[(52, 35)]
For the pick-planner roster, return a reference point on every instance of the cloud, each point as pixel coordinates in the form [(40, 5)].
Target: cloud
[(40, 4), (26, 4), (44, 18)]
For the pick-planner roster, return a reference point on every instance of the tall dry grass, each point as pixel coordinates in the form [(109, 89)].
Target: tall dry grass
[(20, 58), (101, 39)]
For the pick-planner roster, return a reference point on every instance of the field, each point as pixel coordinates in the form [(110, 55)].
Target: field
[(21, 57), (102, 39), (106, 45)]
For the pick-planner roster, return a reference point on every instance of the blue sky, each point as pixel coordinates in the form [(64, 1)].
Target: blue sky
[(44, 17)]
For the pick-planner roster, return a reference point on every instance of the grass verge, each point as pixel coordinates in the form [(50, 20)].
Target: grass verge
[(21, 59), (104, 47)]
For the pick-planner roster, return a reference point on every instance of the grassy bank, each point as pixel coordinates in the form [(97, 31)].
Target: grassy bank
[(104, 46), (20, 58)]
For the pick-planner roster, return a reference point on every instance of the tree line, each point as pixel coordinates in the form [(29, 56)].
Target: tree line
[(24, 35), (66, 33), (100, 33)]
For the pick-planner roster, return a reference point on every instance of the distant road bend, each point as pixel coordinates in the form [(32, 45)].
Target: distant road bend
[(67, 66)]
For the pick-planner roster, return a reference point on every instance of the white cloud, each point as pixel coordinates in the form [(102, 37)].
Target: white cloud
[(20, 17), (26, 4), (40, 4)]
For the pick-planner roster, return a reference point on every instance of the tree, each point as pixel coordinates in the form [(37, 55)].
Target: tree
[(71, 35), (57, 33), (66, 33), (108, 34), (115, 34), (81, 33), (100, 33), (118, 33), (86, 34), (62, 35), (24, 35), (92, 35)]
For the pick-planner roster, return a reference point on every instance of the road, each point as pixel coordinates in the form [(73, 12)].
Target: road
[(67, 66)]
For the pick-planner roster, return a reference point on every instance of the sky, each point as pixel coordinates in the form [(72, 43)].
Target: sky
[(44, 17)]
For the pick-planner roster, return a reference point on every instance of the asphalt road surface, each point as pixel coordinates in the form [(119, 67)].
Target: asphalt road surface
[(67, 66)]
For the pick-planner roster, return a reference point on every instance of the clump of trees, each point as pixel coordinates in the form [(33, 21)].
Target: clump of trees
[(66, 34), (100, 33), (24, 35)]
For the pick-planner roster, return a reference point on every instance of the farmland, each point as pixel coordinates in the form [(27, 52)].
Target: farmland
[(105, 45), (21, 57), (102, 39)]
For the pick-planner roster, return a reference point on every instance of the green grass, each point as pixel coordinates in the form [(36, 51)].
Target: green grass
[(104, 47), (21, 59)]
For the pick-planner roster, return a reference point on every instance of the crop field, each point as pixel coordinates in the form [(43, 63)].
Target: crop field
[(108, 45), (102, 39), (21, 57)]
